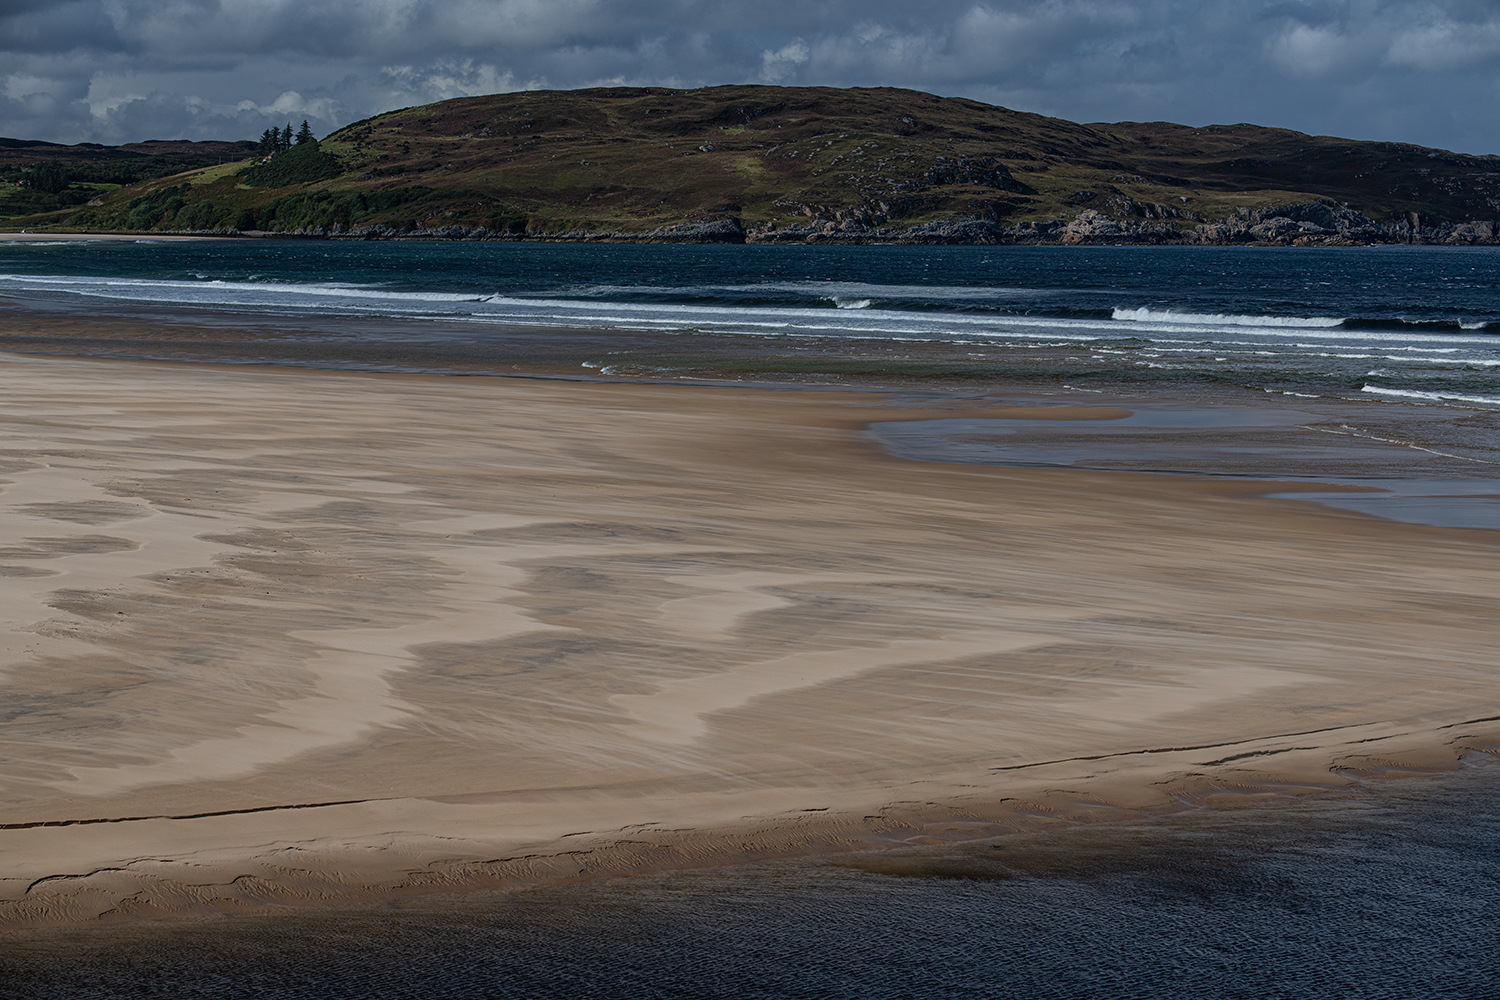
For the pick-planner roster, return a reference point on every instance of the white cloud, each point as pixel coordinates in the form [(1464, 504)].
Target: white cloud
[(450, 78), (1310, 51), (23, 85), (783, 62), (130, 69), (1444, 45), (107, 94)]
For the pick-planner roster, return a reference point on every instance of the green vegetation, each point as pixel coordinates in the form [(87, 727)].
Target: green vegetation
[(301, 164), (148, 210), (41, 179), (398, 207), (634, 160), (273, 141), (49, 176)]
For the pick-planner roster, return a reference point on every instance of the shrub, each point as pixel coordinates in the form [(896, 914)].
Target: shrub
[(147, 210), (298, 165), (203, 215), (311, 210)]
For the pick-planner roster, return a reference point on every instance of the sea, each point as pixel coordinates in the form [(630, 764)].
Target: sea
[(1362, 377)]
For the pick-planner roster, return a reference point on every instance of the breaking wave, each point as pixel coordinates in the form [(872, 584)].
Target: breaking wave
[(1144, 315)]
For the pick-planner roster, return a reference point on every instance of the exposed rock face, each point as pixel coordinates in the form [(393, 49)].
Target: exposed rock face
[(986, 171), (726, 230), (1466, 233), (1304, 223), (1096, 227), (1308, 223), (1117, 203), (1316, 223)]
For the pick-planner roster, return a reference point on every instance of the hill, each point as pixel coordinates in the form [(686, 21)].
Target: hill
[(41, 177), (800, 163)]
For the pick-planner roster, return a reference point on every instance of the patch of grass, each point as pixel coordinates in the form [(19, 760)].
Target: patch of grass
[(632, 160), (298, 165), (210, 175)]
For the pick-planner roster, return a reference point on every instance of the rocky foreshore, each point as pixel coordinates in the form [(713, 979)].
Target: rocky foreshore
[(1308, 223)]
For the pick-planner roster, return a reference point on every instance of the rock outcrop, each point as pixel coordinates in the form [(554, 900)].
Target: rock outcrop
[(1321, 223), (1308, 223)]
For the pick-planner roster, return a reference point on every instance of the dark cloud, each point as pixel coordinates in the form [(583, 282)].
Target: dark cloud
[(118, 70)]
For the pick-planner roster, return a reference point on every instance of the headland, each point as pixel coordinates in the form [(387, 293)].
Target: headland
[(763, 164)]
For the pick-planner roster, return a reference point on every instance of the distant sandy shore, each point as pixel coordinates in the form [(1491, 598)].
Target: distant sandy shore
[(107, 237), (290, 637)]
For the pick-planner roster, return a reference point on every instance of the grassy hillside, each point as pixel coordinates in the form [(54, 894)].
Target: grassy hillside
[(634, 160), (74, 175)]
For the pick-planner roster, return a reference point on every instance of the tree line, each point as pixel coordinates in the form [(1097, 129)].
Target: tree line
[(274, 140)]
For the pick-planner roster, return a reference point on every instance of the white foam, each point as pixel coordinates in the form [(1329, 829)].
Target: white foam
[(1152, 337), (823, 290), (1436, 397), (1144, 315)]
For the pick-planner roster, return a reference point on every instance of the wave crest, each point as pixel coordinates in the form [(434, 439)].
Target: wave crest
[(1436, 397), (1145, 315)]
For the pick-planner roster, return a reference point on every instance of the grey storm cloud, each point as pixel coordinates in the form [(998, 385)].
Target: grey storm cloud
[(123, 70)]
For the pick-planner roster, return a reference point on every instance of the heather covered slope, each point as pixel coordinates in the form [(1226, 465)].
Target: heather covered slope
[(792, 161)]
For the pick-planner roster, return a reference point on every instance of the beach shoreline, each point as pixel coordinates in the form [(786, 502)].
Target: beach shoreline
[(289, 637), (21, 236)]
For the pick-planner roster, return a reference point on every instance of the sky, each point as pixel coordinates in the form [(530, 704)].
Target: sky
[(117, 71)]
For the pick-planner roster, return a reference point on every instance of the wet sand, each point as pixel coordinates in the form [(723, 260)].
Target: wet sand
[(288, 637)]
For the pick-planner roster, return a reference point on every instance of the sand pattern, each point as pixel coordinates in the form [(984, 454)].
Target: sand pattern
[(291, 637)]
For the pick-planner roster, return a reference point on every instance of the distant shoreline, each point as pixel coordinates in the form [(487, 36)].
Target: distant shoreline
[(649, 239), (1266, 228), (21, 237)]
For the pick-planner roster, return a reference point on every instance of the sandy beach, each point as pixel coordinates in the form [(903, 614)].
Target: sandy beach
[(23, 236), (290, 637)]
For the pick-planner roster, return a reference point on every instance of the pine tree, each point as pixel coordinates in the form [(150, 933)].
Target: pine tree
[(286, 138), (304, 134)]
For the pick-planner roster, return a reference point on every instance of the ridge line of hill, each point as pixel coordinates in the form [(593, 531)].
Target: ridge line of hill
[(766, 164)]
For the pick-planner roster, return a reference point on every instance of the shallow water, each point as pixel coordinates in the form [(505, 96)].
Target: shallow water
[(1385, 892), (1393, 479), (1412, 323), (1398, 348)]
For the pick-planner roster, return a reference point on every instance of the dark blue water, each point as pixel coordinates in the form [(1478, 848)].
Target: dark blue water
[(1388, 893), (1370, 287), (1414, 323)]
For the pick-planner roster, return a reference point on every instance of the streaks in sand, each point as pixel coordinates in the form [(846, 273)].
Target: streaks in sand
[(464, 620)]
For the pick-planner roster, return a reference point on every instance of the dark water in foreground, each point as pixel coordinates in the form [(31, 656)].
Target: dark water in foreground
[(1393, 892)]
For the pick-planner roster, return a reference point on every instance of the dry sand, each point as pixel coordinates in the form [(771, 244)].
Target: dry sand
[(23, 236), (286, 637)]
